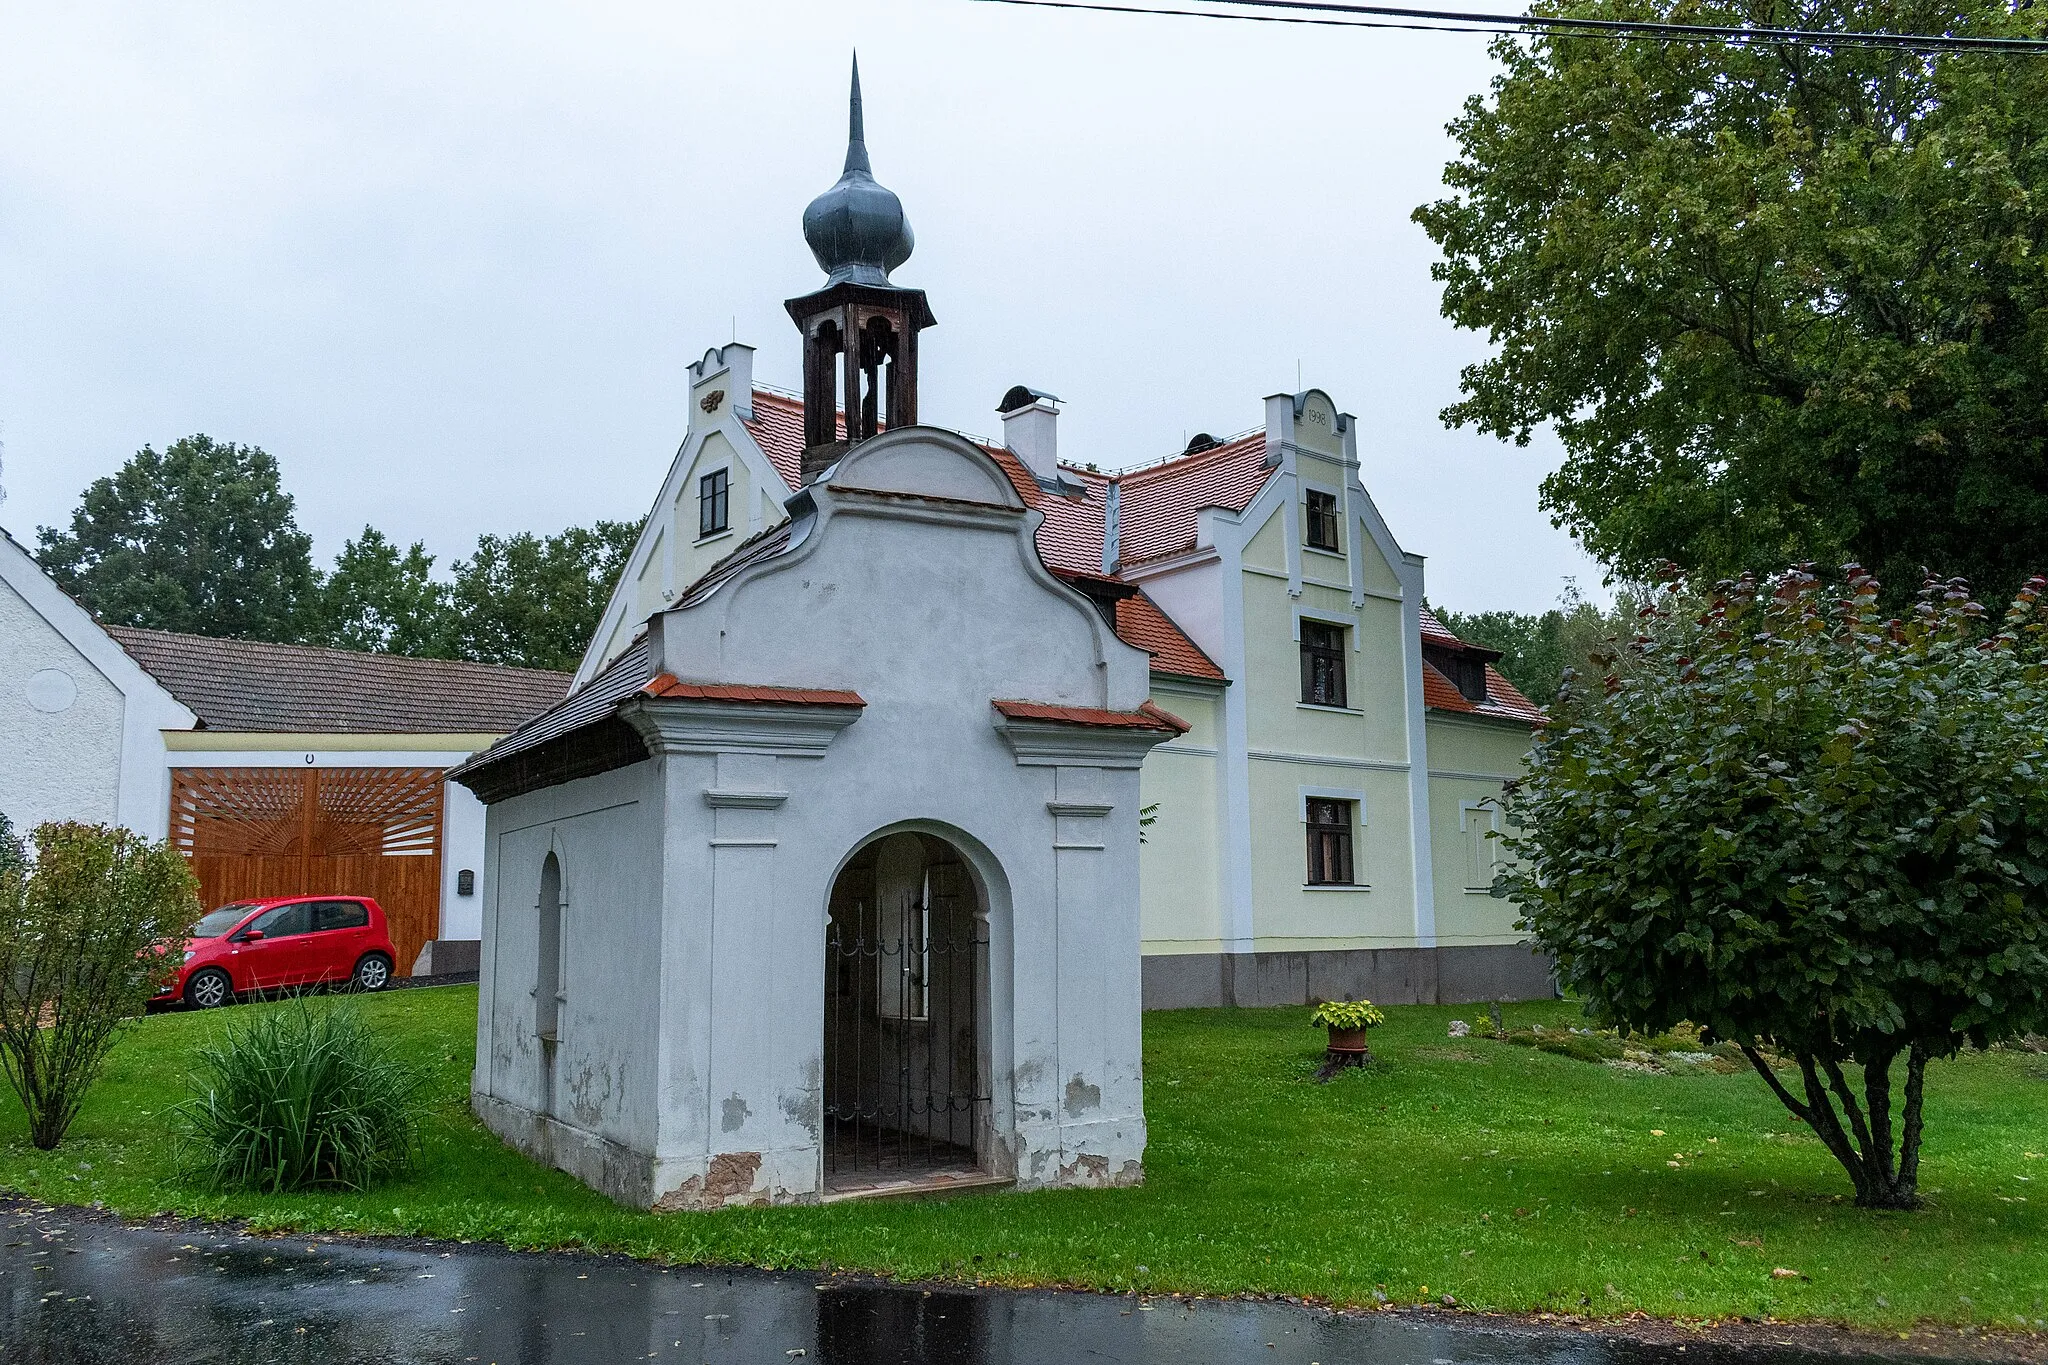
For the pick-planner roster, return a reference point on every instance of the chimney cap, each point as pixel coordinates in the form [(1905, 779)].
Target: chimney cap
[(1021, 396)]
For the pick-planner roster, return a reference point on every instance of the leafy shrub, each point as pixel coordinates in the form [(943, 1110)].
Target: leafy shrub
[(1820, 833), (1346, 1014), (81, 928), (303, 1098)]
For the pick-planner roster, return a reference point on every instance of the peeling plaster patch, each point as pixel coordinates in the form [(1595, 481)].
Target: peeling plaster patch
[(1081, 1097), (730, 1178), (801, 1110), (590, 1093), (735, 1114)]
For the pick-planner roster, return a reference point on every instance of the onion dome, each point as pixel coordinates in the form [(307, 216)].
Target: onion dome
[(857, 229)]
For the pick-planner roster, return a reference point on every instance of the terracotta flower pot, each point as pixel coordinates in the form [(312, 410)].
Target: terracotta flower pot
[(1348, 1042)]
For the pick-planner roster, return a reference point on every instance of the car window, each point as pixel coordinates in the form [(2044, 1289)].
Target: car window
[(218, 922), (285, 920), (341, 915)]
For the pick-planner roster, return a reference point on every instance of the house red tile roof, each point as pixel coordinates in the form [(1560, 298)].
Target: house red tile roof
[(1140, 622), (778, 428), (1157, 514), (1146, 717), (1157, 508), (668, 685), (1503, 700), (255, 686)]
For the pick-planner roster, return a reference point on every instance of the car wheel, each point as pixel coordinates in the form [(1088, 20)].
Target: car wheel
[(373, 973), (209, 988)]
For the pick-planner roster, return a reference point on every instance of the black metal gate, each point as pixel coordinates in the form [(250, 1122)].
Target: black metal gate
[(905, 984)]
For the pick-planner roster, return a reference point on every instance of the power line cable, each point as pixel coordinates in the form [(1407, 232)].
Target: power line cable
[(1329, 14)]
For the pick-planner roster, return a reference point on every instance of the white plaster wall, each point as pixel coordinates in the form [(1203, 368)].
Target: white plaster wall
[(462, 846), (63, 765), (605, 831)]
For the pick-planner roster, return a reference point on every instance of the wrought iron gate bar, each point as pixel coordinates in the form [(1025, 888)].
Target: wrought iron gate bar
[(902, 1083)]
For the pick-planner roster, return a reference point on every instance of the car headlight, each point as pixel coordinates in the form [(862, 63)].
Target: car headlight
[(189, 955)]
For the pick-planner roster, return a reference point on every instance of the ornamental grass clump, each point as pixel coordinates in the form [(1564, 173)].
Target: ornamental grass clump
[(1818, 833), (303, 1098)]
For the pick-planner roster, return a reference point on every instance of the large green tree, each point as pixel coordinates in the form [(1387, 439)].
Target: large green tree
[(535, 601), (198, 538), (1779, 302), (384, 602)]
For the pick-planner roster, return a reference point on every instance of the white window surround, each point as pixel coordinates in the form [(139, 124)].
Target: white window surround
[(1466, 809), (714, 536), (1329, 618), (1473, 816), (1329, 710), (1351, 794)]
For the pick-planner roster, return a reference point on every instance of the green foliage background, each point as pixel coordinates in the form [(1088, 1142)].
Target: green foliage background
[(202, 538)]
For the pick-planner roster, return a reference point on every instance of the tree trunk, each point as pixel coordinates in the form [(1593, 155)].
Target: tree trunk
[(1860, 1135)]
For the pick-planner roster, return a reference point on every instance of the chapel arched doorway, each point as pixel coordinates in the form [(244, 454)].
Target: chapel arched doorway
[(906, 1016)]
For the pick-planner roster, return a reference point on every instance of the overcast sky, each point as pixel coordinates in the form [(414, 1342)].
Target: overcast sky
[(447, 262)]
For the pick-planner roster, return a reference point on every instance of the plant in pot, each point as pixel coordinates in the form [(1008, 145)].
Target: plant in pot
[(1347, 1021)]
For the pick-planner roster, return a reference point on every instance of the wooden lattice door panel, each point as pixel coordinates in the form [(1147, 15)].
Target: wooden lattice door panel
[(376, 832)]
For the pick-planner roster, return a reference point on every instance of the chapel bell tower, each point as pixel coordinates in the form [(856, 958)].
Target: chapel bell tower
[(860, 331)]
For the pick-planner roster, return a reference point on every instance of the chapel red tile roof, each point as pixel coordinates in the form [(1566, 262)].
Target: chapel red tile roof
[(1146, 717), (668, 685)]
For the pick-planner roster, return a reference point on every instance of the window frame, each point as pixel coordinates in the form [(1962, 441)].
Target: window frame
[(1331, 841), (1313, 518), (714, 502), (1330, 652), (321, 907), (282, 913)]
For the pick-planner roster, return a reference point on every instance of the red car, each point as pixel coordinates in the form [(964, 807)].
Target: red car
[(280, 942)]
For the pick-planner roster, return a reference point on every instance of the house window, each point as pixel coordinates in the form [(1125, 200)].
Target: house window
[(711, 503), (1322, 521), (1322, 663), (1329, 842)]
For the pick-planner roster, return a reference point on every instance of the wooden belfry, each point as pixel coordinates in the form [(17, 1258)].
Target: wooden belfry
[(860, 331)]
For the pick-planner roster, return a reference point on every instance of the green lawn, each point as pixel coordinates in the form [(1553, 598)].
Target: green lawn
[(1509, 1178)]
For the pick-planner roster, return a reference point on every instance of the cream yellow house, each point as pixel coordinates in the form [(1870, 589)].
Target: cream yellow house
[(1320, 828)]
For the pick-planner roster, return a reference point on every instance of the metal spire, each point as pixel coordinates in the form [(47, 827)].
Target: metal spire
[(856, 136)]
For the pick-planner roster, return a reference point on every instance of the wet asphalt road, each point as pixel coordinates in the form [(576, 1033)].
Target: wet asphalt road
[(78, 1289)]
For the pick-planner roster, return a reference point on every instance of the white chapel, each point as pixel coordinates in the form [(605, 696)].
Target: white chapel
[(906, 769)]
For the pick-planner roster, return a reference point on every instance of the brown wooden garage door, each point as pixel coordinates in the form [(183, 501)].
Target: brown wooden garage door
[(317, 832)]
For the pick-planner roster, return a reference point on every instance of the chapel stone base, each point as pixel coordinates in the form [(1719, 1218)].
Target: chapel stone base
[(1385, 976)]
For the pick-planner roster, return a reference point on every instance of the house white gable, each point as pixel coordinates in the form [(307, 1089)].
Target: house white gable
[(80, 721)]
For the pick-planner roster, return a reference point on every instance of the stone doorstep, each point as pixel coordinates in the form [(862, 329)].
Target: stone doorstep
[(923, 1185)]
